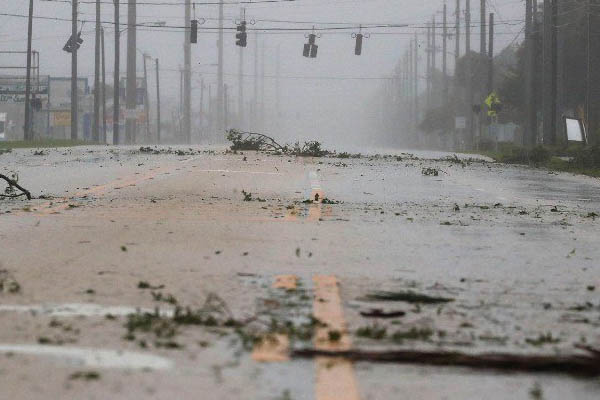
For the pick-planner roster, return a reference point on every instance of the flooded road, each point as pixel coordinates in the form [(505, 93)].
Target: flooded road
[(411, 251)]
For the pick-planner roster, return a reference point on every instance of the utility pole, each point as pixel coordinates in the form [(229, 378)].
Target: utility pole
[(416, 80), (241, 78), (187, 75), (116, 79), (262, 88), (157, 102), (490, 83), (146, 98), (202, 115), (530, 131), (428, 67), (103, 88), (550, 68), (27, 128), (74, 94), (483, 29), (225, 108), (409, 84), (96, 126), (468, 74), (457, 41), (445, 54), (131, 114), (433, 54), (255, 110), (210, 108), (220, 121), (278, 85), (588, 79)]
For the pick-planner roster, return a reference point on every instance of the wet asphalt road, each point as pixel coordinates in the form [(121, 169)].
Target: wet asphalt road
[(515, 248)]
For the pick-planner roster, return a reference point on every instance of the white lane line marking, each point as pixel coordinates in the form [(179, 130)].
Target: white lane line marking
[(95, 358), (240, 172), (78, 310)]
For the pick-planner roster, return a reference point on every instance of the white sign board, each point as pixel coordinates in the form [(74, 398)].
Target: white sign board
[(460, 123), (575, 130)]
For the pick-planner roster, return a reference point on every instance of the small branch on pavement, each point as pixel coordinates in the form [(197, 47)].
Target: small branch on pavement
[(582, 365), (12, 183)]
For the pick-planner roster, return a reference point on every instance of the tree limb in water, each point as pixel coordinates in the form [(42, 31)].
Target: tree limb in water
[(583, 365), (13, 183)]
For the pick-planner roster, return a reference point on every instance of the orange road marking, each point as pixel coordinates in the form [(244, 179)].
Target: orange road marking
[(120, 183), (287, 282), (335, 376)]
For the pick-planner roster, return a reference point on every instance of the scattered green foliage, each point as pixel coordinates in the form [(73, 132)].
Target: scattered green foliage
[(428, 171), (412, 334), (168, 298), (146, 285), (8, 283), (248, 197), (542, 339), (373, 331), (85, 375)]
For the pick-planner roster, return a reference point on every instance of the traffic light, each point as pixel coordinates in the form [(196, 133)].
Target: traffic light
[(194, 31), (359, 40), (68, 47), (310, 48), (241, 36)]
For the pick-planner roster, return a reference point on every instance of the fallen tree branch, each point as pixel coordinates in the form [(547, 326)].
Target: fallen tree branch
[(568, 364), (13, 183), (253, 141)]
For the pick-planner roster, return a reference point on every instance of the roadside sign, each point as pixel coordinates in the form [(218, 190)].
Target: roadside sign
[(575, 130), (460, 123), (492, 101)]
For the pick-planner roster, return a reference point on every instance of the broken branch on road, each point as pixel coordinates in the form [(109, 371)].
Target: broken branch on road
[(260, 142), (12, 184), (581, 365)]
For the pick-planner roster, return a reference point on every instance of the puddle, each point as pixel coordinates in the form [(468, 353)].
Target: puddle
[(94, 358)]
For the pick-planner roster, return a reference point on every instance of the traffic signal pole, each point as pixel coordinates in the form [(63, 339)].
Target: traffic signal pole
[(220, 104), (116, 78), (187, 76), (74, 95), (157, 102), (96, 126), (241, 78)]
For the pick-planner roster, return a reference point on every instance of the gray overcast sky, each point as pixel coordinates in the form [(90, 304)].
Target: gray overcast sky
[(306, 99)]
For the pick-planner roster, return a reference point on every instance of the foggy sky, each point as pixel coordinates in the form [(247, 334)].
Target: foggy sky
[(312, 108)]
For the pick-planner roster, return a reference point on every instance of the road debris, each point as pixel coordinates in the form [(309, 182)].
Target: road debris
[(579, 365), (406, 296), (9, 191)]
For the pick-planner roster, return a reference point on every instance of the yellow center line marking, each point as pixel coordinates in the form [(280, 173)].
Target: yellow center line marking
[(335, 376)]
